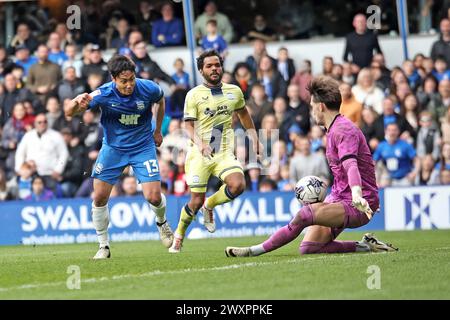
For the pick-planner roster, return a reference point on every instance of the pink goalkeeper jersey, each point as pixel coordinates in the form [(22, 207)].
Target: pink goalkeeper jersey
[(344, 141)]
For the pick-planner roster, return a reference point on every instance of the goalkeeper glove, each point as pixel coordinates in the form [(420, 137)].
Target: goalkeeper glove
[(360, 203)]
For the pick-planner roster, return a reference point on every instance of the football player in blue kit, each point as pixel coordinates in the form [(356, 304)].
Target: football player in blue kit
[(129, 140)]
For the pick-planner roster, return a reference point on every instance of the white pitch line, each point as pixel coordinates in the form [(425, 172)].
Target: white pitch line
[(159, 273)]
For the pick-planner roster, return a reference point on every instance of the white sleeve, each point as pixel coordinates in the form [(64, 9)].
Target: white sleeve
[(21, 152)]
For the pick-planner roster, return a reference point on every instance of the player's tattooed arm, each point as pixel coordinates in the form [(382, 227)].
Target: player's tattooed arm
[(78, 105), (160, 110), (247, 123)]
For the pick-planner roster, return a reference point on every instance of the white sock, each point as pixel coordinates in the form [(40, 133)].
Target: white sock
[(100, 219), (160, 211), (257, 250), (362, 247)]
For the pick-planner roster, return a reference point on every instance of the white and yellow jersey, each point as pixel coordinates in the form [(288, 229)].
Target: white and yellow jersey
[(212, 109)]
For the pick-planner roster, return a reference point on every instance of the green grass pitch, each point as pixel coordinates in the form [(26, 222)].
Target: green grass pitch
[(145, 270)]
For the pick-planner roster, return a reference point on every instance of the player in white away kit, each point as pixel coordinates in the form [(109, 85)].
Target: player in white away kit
[(354, 194)]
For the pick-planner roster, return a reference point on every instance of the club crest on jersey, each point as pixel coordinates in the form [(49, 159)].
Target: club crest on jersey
[(230, 96), (140, 105), (98, 168)]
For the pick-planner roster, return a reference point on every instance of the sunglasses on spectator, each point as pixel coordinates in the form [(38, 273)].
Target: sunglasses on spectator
[(41, 122), (425, 119)]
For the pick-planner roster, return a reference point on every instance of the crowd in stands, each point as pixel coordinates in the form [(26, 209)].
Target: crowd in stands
[(404, 112)]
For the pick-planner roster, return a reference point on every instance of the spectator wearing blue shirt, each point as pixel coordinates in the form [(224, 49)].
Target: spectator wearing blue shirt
[(167, 31), (56, 55), (213, 40), (414, 79), (180, 76), (398, 157), (24, 59), (441, 71)]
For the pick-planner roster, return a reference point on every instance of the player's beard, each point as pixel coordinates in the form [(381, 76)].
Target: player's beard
[(216, 81)]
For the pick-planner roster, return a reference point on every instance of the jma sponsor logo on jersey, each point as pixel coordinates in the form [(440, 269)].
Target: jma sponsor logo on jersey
[(129, 119)]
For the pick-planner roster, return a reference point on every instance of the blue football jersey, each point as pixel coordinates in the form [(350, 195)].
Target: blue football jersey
[(127, 120)]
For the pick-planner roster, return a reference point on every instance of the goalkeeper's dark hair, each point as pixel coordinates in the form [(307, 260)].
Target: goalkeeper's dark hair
[(119, 63), (325, 89), (208, 53)]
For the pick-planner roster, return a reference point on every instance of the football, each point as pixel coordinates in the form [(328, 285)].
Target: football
[(310, 189)]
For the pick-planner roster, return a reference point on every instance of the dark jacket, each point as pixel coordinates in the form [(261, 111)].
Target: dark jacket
[(400, 120), (98, 68), (75, 166), (148, 65), (441, 49)]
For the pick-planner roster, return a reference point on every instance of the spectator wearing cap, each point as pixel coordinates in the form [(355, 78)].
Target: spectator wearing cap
[(73, 172), (441, 48), (56, 55), (304, 163), (23, 37), (223, 23), (96, 64), (24, 59), (169, 30), (44, 76), (46, 147)]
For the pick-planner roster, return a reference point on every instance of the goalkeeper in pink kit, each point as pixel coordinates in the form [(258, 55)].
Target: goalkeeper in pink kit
[(354, 194)]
